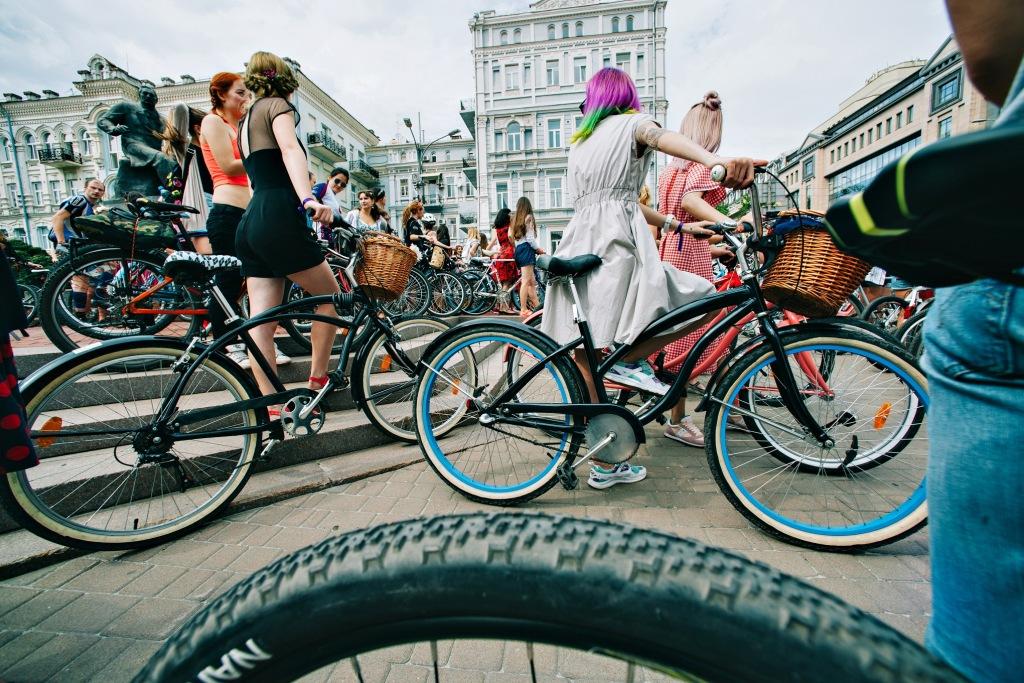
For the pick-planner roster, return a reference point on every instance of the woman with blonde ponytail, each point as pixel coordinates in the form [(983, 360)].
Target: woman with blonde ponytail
[(687, 192)]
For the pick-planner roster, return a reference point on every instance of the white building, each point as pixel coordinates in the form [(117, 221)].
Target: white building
[(448, 188), (50, 146), (531, 70)]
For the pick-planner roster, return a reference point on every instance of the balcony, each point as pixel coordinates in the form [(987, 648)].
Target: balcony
[(324, 147), (59, 157), (364, 173), (433, 206), (469, 169), (467, 219), (467, 110)]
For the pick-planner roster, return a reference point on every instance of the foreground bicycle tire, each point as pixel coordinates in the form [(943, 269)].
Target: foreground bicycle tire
[(669, 604), (83, 493)]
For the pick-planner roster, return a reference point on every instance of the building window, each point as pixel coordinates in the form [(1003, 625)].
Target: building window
[(552, 72), (945, 127), (517, 36), (554, 133), (512, 77), (528, 138), (554, 192), (808, 168), (853, 145), (37, 193), (856, 177), (55, 192), (641, 68), (501, 193), (622, 61), (871, 135), (888, 125), (503, 37), (403, 188), (910, 114), (449, 187), (12, 194), (946, 91), (499, 141), (30, 146), (551, 32), (527, 81), (495, 79), (577, 122), (606, 61), (615, 24), (846, 148), (832, 156), (807, 204), (899, 120), (528, 188), (565, 30), (5, 151), (579, 29), (84, 142), (629, 23), (579, 69), (514, 137), (878, 131), (862, 140)]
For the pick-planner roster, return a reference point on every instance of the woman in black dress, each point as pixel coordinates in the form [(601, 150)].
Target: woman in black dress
[(273, 241)]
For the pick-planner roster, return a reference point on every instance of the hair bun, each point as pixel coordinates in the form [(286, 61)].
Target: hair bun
[(712, 100)]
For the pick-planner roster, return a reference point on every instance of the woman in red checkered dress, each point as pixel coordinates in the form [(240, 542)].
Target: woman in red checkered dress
[(686, 191)]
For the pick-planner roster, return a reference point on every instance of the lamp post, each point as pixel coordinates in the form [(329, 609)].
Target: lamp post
[(421, 149)]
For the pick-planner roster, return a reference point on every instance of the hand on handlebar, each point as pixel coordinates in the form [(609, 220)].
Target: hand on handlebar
[(319, 213), (738, 172), (698, 230)]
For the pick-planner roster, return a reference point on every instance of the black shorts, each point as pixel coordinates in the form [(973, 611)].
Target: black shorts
[(222, 227), (525, 255), (273, 239)]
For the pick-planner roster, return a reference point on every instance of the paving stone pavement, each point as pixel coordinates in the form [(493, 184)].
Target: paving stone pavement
[(101, 616)]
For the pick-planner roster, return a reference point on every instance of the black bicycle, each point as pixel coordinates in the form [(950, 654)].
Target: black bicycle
[(531, 597), (144, 438), (814, 432)]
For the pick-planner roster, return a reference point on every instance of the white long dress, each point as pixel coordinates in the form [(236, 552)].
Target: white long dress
[(632, 287)]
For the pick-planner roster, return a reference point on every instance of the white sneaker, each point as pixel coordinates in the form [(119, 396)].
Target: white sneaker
[(281, 358), (685, 432), (623, 473), (638, 375), (237, 353)]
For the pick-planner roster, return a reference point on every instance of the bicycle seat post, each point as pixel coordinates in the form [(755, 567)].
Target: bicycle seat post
[(580, 318)]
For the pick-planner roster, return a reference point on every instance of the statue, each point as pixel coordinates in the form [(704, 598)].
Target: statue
[(144, 167)]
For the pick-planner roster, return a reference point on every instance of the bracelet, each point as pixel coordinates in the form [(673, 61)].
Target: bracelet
[(667, 224), (307, 200)]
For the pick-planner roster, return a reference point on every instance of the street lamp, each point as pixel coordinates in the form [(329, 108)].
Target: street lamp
[(420, 149)]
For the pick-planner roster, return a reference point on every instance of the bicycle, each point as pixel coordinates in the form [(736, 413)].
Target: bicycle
[(889, 313), (808, 468), (447, 292), (675, 609), (142, 439)]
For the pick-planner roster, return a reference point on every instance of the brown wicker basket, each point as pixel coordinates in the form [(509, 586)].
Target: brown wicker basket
[(811, 276), (384, 269)]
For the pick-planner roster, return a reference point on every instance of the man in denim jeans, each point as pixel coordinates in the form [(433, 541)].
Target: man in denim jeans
[(974, 341)]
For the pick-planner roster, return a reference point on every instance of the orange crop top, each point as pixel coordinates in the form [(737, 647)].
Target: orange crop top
[(219, 176)]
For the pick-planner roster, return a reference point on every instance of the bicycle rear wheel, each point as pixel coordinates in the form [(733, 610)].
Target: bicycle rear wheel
[(886, 313), (385, 376), (866, 490), (448, 294), (104, 481), (577, 599), (415, 298), (29, 302), (502, 461)]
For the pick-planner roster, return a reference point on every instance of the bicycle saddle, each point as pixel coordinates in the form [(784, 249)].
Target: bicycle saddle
[(188, 265), (560, 267)]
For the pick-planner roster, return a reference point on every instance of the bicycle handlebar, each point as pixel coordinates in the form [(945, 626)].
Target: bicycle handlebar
[(718, 172)]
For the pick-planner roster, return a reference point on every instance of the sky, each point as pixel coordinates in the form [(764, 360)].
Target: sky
[(780, 66)]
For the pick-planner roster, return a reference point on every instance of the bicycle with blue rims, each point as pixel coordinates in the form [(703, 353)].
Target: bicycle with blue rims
[(814, 432)]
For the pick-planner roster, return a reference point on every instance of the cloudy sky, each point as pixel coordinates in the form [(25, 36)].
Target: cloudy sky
[(781, 66)]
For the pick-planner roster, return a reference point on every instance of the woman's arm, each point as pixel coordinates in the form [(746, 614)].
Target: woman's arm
[(218, 138), (658, 219), (295, 162), (693, 203), (739, 171)]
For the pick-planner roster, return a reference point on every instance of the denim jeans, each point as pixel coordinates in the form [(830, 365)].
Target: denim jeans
[(974, 357)]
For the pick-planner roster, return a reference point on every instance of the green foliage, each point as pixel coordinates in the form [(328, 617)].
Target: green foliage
[(38, 257), (734, 209)]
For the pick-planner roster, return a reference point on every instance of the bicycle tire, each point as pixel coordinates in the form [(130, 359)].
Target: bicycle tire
[(873, 506), (54, 316), (679, 607), (376, 358), (415, 299), (487, 477), (29, 295), (483, 292), (448, 294), (884, 313), (911, 334), (24, 493)]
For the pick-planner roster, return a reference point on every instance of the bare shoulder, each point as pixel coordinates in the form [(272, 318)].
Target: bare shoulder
[(649, 133)]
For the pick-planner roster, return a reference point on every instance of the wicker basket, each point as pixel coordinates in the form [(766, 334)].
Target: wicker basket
[(384, 269), (811, 276)]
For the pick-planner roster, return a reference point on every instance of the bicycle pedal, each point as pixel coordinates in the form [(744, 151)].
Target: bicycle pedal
[(567, 477)]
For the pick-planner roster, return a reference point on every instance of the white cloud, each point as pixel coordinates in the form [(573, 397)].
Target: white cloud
[(781, 66)]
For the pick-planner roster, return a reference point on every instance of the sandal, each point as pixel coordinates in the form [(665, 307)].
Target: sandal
[(320, 382)]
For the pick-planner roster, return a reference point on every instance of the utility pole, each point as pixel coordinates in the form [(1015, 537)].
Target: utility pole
[(17, 173)]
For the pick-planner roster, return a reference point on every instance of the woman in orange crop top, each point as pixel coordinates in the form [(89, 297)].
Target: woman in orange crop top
[(229, 99)]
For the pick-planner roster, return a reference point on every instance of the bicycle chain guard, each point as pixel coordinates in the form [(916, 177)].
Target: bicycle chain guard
[(294, 423), (619, 449)]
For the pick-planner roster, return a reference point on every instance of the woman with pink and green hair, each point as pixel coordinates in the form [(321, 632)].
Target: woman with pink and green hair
[(608, 161)]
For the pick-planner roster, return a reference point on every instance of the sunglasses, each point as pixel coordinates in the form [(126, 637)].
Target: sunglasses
[(340, 183)]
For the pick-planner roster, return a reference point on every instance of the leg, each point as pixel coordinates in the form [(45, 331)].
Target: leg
[(319, 280), (525, 283), (264, 294), (974, 339), (645, 349)]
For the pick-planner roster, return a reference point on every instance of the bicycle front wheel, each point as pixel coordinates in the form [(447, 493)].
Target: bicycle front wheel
[(385, 376), (574, 600), (505, 456), (866, 490), (415, 298), (105, 480), (448, 294)]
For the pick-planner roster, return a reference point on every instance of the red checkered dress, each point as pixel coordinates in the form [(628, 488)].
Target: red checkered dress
[(692, 256)]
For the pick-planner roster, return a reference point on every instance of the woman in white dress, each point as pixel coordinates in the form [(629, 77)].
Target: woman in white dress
[(608, 163)]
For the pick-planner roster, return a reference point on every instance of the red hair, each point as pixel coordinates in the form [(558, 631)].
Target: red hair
[(220, 85)]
